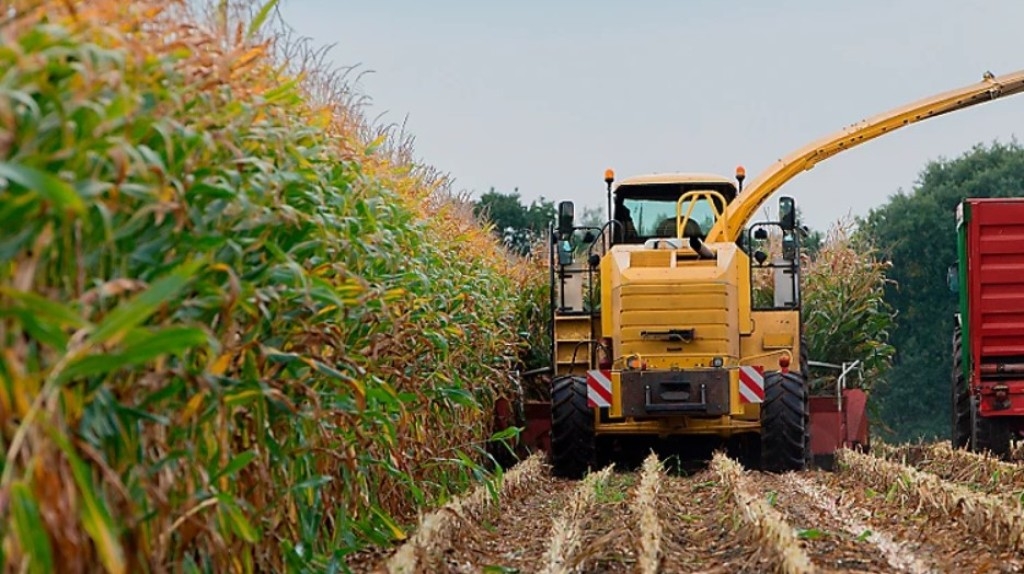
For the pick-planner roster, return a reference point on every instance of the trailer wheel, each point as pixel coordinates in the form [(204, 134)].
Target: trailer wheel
[(572, 428), (989, 434), (961, 397), (784, 416)]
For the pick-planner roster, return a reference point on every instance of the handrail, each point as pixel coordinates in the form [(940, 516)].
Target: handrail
[(693, 197)]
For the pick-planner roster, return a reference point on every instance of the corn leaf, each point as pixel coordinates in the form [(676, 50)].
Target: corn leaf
[(45, 309), (29, 527), (239, 524), (140, 349), (260, 18), (94, 514), (46, 185), (235, 464), (137, 310)]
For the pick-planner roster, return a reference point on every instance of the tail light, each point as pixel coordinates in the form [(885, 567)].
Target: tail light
[(784, 363)]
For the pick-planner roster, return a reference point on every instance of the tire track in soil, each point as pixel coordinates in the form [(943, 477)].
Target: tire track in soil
[(514, 535), (699, 529), (948, 543), (609, 543), (835, 541)]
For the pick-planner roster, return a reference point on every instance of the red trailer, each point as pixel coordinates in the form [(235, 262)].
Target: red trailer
[(988, 336)]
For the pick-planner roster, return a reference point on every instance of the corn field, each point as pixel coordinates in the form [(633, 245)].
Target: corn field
[(845, 315), (223, 347)]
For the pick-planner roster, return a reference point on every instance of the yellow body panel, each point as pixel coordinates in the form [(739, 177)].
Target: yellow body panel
[(644, 289)]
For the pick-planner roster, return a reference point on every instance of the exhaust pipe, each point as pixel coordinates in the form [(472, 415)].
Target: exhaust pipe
[(703, 251)]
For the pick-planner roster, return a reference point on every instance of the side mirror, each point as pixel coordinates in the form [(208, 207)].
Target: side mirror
[(953, 278), (566, 216), (787, 213)]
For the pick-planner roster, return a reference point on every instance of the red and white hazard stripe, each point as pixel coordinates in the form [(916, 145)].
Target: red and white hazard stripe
[(599, 388), (751, 384)]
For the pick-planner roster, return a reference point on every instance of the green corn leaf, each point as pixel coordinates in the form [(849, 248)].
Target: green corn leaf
[(235, 464), (45, 320), (810, 534), (140, 349), (29, 530), (46, 185), (260, 18), (43, 331), (45, 308), (137, 310), (94, 514), (237, 521), (315, 482), (505, 434)]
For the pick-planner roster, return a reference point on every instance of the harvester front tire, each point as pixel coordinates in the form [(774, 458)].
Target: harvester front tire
[(572, 428), (784, 422), (961, 395), (989, 434)]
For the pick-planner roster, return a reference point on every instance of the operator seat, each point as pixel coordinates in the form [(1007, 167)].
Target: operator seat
[(667, 228)]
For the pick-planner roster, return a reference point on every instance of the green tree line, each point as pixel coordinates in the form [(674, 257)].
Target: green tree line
[(916, 230)]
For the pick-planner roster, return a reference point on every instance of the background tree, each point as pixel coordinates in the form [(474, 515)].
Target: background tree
[(592, 216), (917, 231), (518, 225)]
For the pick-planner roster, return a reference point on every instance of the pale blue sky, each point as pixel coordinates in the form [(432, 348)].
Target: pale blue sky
[(544, 96)]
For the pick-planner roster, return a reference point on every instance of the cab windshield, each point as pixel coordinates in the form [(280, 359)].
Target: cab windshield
[(657, 217), (647, 212)]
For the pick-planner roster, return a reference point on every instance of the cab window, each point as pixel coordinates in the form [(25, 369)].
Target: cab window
[(646, 212)]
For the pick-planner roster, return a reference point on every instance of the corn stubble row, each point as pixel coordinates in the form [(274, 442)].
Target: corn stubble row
[(434, 529), (239, 328), (645, 509), (567, 528), (958, 465), (989, 515), (767, 527)]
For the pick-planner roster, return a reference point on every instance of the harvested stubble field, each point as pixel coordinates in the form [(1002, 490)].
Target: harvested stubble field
[(945, 511)]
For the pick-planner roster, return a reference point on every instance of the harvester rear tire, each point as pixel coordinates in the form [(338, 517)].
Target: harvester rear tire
[(784, 432), (572, 428), (989, 434), (961, 395)]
